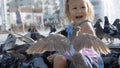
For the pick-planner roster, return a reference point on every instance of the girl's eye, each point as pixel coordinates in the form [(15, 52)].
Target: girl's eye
[(83, 7), (74, 8)]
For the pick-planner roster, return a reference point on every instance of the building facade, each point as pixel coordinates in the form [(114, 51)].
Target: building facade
[(37, 10)]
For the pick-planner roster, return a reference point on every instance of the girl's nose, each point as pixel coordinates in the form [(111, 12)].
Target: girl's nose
[(79, 10)]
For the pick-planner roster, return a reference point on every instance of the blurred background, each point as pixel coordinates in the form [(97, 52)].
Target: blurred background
[(40, 12)]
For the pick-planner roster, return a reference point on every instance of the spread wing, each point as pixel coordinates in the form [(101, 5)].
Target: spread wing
[(53, 42), (89, 41), (22, 38)]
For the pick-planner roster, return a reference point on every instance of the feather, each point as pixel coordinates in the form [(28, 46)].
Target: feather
[(53, 42), (22, 38), (78, 61), (89, 41)]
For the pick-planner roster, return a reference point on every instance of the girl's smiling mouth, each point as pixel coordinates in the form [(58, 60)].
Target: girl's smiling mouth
[(78, 17)]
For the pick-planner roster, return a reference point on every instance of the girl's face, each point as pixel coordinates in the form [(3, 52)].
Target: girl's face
[(77, 10)]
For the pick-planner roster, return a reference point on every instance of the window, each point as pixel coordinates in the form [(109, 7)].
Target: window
[(21, 4), (16, 0), (7, 4)]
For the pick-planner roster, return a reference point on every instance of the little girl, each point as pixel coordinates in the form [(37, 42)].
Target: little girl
[(80, 14)]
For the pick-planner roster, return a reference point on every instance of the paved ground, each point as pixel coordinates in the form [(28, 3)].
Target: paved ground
[(20, 29), (4, 34)]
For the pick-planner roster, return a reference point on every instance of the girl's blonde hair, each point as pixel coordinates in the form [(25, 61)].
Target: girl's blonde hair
[(90, 13)]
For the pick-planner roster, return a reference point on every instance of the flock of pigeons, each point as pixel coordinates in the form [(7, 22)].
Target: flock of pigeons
[(110, 31), (13, 55)]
